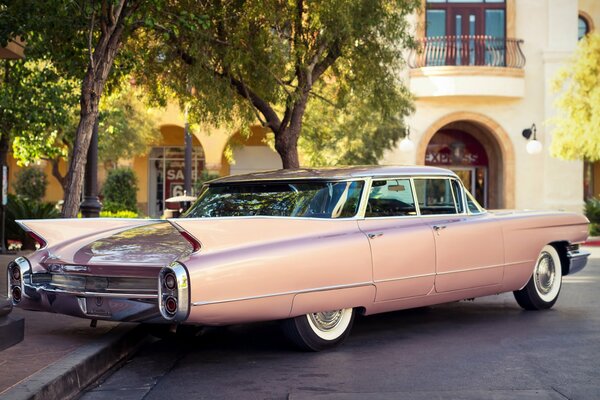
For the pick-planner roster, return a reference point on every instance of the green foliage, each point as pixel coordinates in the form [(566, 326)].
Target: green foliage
[(118, 214), (354, 133), (31, 183), (263, 59), (127, 127), (577, 133), (120, 191), (205, 176), (25, 208), (592, 210), (37, 109)]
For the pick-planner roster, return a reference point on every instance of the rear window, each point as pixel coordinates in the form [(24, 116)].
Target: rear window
[(304, 199)]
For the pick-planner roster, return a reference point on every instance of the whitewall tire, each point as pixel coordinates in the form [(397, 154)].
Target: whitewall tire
[(543, 288), (321, 330)]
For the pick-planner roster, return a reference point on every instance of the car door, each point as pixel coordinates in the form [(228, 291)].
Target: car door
[(469, 247), (402, 246)]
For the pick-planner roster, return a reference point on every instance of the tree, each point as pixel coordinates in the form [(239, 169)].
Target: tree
[(38, 110), (577, 131), (354, 133), (35, 110), (268, 60), (77, 36)]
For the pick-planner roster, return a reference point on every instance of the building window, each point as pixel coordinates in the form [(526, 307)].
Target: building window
[(583, 27), (166, 175), (467, 32)]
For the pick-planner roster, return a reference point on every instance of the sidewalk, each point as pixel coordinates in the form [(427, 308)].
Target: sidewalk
[(61, 342)]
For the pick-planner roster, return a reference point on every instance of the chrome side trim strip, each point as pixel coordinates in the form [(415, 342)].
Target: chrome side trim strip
[(471, 269), (405, 278), (205, 303)]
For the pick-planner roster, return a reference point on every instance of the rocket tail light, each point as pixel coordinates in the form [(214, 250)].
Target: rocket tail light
[(174, 292), (192, 240), (19, 272), (40, 242)]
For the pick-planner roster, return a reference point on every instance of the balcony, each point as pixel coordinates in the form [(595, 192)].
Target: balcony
[(481, 66)]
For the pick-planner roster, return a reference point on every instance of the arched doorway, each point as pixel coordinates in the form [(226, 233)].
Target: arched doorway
[(460, 152), (249, 153), (478, 150)]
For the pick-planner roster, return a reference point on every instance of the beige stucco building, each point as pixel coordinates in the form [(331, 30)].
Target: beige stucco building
[(484, 76)]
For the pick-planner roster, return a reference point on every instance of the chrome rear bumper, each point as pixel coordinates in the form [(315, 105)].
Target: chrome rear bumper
[(577, 260), (103, 306), (93, 297)]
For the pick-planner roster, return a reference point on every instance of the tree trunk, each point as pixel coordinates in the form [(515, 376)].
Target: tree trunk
[(74, 184), (286, 139), (91, 90), (286, 144)]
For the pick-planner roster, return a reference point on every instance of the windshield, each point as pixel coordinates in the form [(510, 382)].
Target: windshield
[(307, 199)]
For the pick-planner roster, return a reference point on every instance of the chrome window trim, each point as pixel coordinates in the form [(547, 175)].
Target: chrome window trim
[(366, 200), (368, 181), (449, 178), (365, 180)]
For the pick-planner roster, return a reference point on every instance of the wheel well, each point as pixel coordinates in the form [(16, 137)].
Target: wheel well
[(561, 248), (361, 310)]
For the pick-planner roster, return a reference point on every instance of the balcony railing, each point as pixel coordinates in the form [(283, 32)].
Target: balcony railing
[(467, 50)]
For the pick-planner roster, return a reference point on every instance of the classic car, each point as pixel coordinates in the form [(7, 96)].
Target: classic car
[(311, 248)]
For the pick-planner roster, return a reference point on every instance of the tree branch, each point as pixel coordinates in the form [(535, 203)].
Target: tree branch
[(257, 102)]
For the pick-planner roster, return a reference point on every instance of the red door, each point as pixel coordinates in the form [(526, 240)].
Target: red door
[(466, 27)]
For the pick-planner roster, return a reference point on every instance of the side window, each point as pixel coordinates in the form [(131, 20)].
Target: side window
[(457, 190), (435, 196), (391, 198), (472, 205)]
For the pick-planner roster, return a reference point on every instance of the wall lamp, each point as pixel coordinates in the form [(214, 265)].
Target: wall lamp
[(406, 144), (534, 146)]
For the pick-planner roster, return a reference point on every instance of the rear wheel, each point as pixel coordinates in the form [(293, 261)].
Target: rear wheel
[(319, 331), (541, 292)]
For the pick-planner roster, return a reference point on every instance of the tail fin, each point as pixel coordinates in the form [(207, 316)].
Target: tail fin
[(177, 224), (48, 232)]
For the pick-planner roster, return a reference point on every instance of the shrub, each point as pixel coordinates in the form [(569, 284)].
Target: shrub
[(592, 210), (120, 190), (204, 177), (25, 208), (118, 214), (31, 183)]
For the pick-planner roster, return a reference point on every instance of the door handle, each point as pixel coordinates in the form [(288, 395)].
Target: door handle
[(438, 228), (374, 235)]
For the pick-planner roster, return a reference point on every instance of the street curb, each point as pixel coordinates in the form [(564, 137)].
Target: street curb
[(65, 378)]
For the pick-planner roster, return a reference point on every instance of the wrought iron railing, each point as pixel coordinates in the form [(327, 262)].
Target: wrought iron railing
[(467, 50)]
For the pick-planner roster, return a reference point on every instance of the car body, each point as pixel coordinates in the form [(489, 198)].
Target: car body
[(308, 247)]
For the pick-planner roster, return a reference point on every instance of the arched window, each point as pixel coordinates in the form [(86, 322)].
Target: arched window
[(583, 26)]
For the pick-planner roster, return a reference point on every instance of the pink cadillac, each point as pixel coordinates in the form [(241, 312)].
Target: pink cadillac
[(308, 247)]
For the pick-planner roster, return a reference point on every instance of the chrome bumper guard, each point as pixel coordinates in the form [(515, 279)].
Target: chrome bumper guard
[(577, 259)]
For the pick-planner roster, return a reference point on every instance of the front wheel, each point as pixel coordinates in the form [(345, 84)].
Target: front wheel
[(321, 330), (544, 285)]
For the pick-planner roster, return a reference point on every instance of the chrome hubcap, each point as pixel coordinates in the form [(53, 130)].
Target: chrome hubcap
[(326, 321), (545, 274)]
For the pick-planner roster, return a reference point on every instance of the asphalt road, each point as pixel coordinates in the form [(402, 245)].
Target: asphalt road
[(486, 349)]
